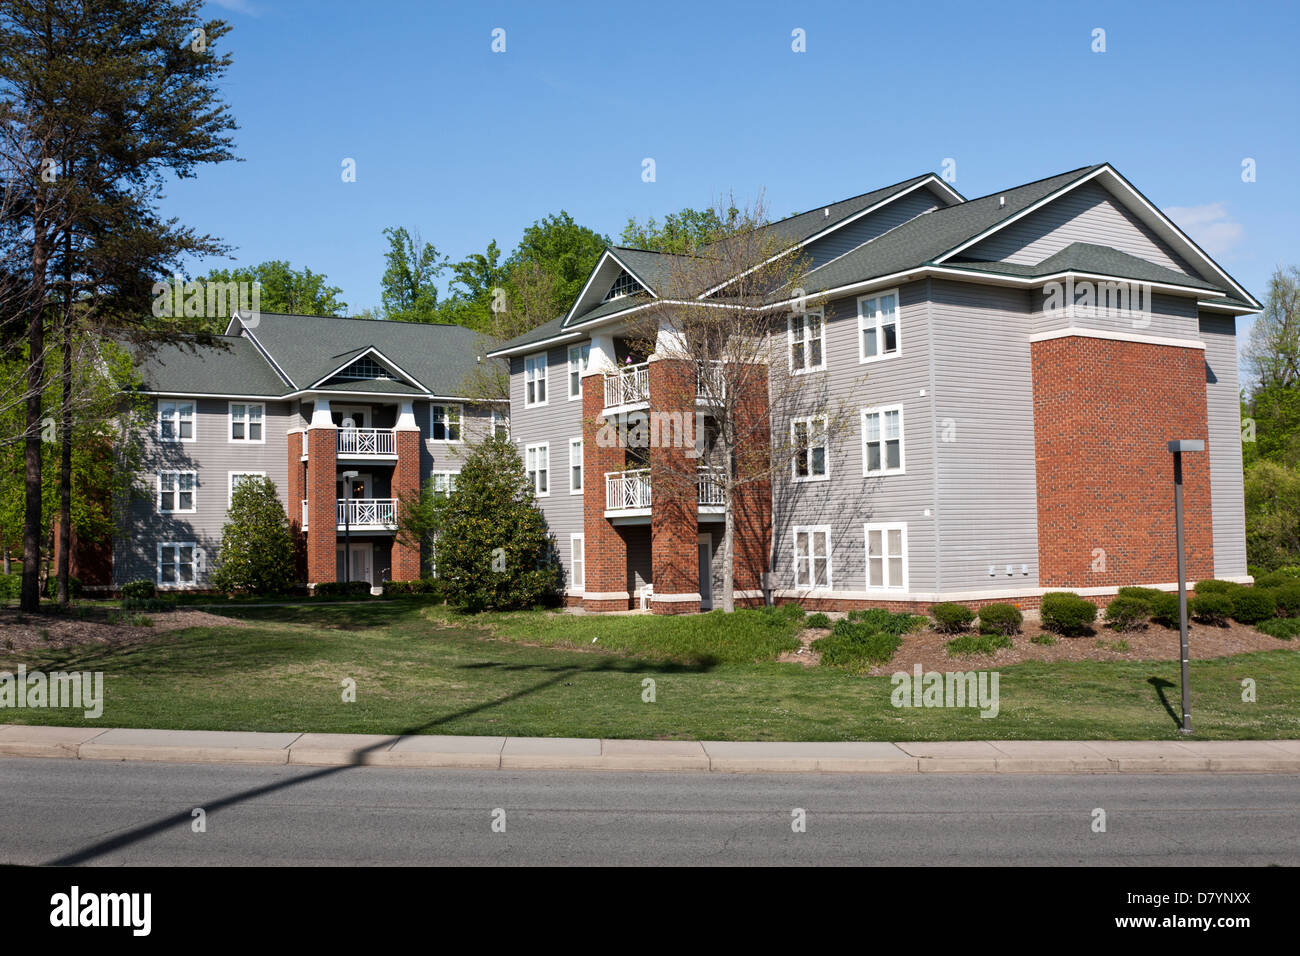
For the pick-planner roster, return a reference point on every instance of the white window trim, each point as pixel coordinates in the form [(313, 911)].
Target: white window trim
[(578, 543), (576, 443), (194, 493), (830, 557), (451, 477), (230, 424), (884, 529), (898, 327), (194, 421), (230, 484), (158, 565), (826, 443), (902, 440), (549, 476), (498, 418), (541, 365), (582, 368), (820, 312), (460, 423)]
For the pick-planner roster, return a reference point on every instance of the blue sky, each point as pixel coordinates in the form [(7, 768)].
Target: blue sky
[(466, 145)]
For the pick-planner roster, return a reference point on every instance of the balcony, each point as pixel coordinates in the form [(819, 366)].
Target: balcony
[(367, 443), (362, 514), (627, 494), (710, 383), (627, 388)]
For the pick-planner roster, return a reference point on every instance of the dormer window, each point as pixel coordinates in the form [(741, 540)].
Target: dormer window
[(364, 369), (624, 285)]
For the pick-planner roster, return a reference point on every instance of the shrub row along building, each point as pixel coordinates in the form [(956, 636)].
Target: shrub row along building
[(1017, 364)]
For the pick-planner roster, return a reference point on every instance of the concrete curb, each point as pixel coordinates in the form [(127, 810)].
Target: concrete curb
[(567, 753)]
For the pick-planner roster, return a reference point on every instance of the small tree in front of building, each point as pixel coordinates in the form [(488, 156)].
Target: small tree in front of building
[(492, 548), (256, 545)]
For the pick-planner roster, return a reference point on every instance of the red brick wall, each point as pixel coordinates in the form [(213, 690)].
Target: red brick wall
[(753, 508), (1104, 412), (406, 483), (674, 522), (322, 505), (606, 551)]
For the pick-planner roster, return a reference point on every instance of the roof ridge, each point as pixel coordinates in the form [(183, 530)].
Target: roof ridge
[(1032, 182)]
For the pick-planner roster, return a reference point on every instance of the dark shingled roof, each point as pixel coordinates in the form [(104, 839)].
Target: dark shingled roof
[(1087, 257), (233, 367)]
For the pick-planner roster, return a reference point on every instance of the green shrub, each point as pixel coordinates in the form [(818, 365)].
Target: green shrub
[(879, 619), (1047, 640), (983, 643), (11, 586), (1003, 619), (1164, 609), (1212, 609), (139, 588), (1274, 579), (1142, 594), (1287, 600), (1215, 587), (420, 586), (1283, 628), (1066, 613), (854, 646), (1127, 613), (951, 618), (256, 544), (817, 620), (352, 589), (1252, 605), (52, 586), (148, 604)]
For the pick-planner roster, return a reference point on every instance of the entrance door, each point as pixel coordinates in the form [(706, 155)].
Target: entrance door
[(362, 563), (706, 572)]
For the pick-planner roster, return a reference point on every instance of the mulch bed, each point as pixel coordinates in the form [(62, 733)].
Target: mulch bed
[(66, 630)]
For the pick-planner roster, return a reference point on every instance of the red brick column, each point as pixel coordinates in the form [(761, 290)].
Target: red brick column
[(752, 513), (406, 483), (674, 516), (322, 504), (606, 549), (1104, 411)]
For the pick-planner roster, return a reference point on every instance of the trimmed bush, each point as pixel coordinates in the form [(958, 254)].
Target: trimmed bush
[(1213, 609), (1127, 613), (952, 618), (817, 620), (982, 643), (1142, 594), (1001, 619), (139, 588), (1287, 600), (854, 646), (1283, 628), (420, 586), (1066, 613), (353, 589), (1214, 587), (1164, 609), (1251, 605)]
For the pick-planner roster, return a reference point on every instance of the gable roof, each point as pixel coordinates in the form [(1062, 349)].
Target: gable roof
[(1090, 258), (232, 366)]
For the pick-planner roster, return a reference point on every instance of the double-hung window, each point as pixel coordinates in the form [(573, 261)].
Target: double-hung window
[(538, 463), (500, 423), (176, 563), (235, 478), (575, 466), (176, 421), (812, 557), (176, 492), (886, 556), (882, 440), (807, 332), (878, 326), (577, 561), (444, 482), (808, 440), (445, 422), (535, 380), (579, 356), (246, 422)]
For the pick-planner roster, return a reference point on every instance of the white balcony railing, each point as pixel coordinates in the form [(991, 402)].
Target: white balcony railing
[(368, 513), (367, 442), (628, 386), (711, 492), (710, 382), (627, 490)]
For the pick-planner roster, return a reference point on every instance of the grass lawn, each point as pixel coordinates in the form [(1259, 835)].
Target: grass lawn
[(423, 669)]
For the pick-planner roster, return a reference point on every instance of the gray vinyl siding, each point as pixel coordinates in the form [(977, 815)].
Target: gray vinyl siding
[(848, 500), (476, 420), (1169, 316), (1086, 214), (558, 422), (1223, 408), (849, 237), (212, 457), (984, 436)]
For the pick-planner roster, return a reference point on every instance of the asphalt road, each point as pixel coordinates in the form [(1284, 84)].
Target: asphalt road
[(89, 812)]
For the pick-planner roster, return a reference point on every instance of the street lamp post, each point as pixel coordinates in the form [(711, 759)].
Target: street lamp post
[(1177, 448), (348, 476)]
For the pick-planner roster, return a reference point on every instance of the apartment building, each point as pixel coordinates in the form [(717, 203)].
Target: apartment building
[(1023, 359), (345, 416)]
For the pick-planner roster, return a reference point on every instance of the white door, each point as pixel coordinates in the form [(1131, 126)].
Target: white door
[(706, 572), (362, 563)]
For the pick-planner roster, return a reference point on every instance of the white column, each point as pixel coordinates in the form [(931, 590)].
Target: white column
[(320, 413), (406, 416)]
